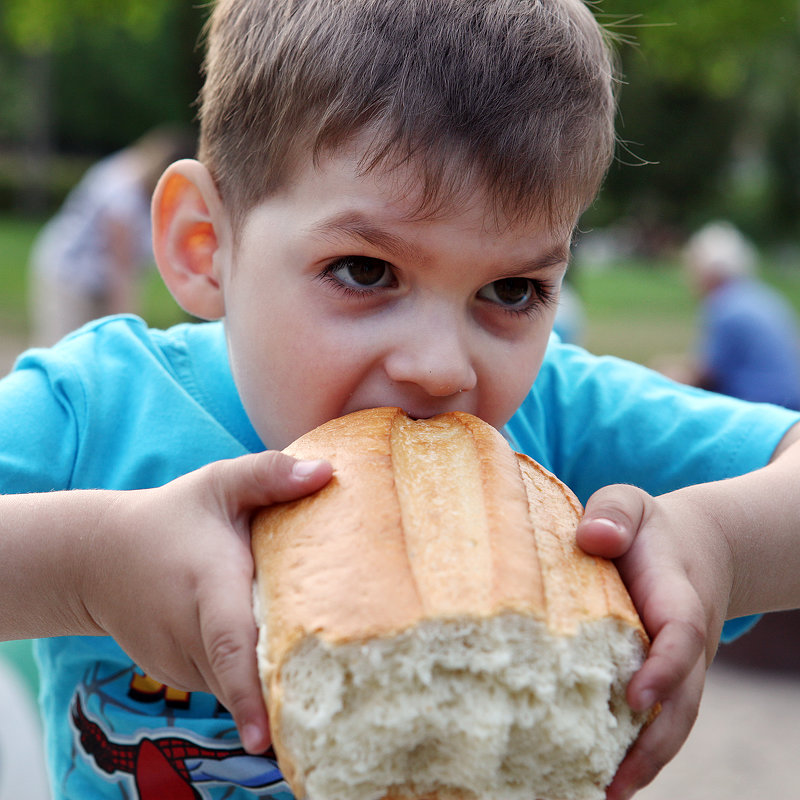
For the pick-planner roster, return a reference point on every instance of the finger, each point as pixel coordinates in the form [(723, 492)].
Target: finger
[(662, 739), (289, 478), (226, 655), (612, 517), (264, 478), (677, 647), (229, 651), (236, 684), (673, 616)]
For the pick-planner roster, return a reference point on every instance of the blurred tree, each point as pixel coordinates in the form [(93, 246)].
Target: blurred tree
[(133, 82), (41, 26), (92, 76), (710, 110), (710, 45)]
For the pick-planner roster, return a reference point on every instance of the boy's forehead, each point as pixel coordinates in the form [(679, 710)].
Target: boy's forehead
[(409, 190)]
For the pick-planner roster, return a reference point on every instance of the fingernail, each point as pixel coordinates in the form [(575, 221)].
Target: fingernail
[(251, 738), (615, 527), (304, 469)]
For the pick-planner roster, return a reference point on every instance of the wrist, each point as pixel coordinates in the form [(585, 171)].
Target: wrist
[(728, 515), (98, 558), (706, 551), (82, 563)]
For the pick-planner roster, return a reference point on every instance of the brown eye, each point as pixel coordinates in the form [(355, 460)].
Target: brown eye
[(513, 293), (362, 272)]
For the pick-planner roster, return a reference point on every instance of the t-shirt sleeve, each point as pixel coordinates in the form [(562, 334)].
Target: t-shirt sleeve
[(39, 431), (595, 421)]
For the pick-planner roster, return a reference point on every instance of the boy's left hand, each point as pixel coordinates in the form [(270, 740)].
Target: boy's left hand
[(673, 558)]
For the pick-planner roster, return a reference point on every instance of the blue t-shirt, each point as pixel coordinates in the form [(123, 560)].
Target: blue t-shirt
[(119, 406)]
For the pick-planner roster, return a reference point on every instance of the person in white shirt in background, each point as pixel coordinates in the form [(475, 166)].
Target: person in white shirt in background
[(89, 258)]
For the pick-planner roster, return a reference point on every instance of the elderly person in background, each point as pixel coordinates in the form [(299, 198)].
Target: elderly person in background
[(749, 335)]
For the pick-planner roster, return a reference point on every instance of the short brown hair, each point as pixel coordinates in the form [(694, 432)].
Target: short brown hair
[(516, 93)]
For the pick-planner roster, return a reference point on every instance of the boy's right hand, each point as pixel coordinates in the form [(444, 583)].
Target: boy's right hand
[(168, 573)]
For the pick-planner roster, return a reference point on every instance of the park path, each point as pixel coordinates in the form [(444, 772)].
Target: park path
[(744, 745)]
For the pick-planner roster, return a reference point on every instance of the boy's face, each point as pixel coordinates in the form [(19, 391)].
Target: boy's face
[(337, 300)]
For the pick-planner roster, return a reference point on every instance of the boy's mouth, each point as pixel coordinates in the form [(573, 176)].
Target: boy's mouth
[(422, 412)]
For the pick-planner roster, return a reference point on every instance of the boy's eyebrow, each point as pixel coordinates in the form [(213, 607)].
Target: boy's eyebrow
[(356, 225), (556, 257)]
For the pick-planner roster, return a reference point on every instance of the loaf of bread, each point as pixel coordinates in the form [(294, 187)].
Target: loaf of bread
[(429, 628)]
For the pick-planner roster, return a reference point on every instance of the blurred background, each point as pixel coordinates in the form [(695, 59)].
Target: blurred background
[(709, 129)]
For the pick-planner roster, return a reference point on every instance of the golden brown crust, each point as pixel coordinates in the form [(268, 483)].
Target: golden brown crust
[(578, 587), (425, 517), (422, 519)]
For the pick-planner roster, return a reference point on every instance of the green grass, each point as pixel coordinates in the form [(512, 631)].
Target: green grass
[(637, 310), (640, 310), (16, 238), (15, 241)]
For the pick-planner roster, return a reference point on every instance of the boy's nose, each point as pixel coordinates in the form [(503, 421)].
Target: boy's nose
[(433, 354)]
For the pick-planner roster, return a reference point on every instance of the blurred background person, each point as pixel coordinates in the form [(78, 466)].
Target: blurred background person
[(89, 259), (749, 333)]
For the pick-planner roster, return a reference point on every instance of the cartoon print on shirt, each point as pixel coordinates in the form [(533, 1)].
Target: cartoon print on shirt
[(170, 762)]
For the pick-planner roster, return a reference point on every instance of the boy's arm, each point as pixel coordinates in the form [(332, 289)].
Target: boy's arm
[(110, 563), (692, 559), (766, 544)]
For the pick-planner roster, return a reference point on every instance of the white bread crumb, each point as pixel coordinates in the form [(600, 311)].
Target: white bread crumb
[(496, 709)]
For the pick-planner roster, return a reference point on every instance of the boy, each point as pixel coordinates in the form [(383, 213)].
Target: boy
[(381, 215)]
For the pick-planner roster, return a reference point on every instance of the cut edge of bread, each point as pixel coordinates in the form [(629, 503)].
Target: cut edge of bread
[(486, 708)]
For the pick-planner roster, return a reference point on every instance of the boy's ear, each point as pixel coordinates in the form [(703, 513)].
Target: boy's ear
[(191, 238)]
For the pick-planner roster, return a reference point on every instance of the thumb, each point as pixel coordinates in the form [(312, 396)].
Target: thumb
[(612, 517), (261, 479), (235, 487)]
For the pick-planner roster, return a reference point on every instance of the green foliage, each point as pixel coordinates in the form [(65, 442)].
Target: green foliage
[(123, 82), (709, 115), (38, 26), (710, 45)]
